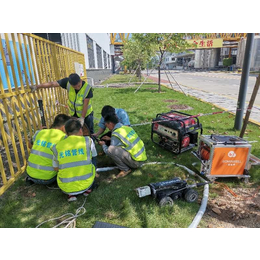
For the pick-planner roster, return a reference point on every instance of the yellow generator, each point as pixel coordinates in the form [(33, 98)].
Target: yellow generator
[(223, 156)]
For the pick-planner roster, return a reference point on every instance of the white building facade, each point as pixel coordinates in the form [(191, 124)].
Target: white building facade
[(95, 46)]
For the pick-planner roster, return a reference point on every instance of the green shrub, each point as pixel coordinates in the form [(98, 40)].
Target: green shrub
[(227, 62)]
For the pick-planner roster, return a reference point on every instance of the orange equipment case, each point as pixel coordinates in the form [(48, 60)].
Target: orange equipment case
[(223, 156)]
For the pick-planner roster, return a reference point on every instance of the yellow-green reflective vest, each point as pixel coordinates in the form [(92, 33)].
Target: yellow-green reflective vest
[(76, 101), (133, 144), (40, 160), (76, 171)]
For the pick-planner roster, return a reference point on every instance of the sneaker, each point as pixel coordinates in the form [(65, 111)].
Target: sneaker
[(87, 192), (123, 174), (72, 198)]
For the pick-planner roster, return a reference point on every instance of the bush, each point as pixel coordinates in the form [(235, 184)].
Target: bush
[(227, 62)]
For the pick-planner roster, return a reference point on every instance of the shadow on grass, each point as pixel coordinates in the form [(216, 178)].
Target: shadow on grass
[(115, 202)]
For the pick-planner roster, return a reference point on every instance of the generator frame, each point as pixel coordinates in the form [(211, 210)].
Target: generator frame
[(206, 165), (186, 130)]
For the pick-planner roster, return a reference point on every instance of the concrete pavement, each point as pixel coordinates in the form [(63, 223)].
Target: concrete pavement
[(220, 89)]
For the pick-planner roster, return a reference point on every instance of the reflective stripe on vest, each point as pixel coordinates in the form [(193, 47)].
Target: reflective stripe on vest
[(77, 178), (79, 163), (40, 167), (73, 104), (136, 147), (43, 154), (40, 159), (139, 153), (130, 145), (76, 172)]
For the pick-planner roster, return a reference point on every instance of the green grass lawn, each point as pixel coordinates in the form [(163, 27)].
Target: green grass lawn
[(116, 202)]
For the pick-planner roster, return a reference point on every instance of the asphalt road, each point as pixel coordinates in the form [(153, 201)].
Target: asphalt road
[(218, 88), (221, 83)]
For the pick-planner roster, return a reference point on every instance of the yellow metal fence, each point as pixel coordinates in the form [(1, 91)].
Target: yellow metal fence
[(26, 60)]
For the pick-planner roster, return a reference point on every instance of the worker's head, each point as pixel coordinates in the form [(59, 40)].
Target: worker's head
[(110, 121), (107, 110), (60, 121), (73, 127), (75, 81)]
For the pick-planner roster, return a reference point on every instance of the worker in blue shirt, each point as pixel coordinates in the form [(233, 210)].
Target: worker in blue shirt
[(109, 110)]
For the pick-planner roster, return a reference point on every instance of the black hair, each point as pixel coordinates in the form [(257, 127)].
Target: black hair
[(106, 110), (72, 126), (60, 120), (111, 118), (74, 79)]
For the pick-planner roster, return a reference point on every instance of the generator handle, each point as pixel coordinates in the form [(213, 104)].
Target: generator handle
[(196, 118)]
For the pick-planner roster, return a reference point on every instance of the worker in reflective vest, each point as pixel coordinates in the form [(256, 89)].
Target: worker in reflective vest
[(108, 110), (79, 102), (126, 149), (75, 159), (39, 167)]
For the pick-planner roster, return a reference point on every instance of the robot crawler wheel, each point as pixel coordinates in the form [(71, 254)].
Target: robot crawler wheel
[(166, 201), (191, 195)]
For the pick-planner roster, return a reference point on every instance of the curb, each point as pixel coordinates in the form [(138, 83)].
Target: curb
[(222, 108)]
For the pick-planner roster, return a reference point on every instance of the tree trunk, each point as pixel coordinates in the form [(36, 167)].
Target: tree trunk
[(159, 78), (138, 72)]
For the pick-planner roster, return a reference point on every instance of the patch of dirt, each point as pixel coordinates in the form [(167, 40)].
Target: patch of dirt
[(180, 107), (170, 100), (227, 211)]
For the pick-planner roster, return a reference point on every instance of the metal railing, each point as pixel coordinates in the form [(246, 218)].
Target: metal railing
[(26, 60)]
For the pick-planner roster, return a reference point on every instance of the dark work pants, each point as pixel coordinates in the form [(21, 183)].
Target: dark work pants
[(89, 121)]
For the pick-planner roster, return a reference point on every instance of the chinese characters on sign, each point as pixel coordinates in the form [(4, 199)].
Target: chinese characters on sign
[(206, 43)]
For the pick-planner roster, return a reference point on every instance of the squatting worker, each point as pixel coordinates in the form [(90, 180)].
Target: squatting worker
[(108, 110), (75, 160), (126, 149), (80, 94), (39, 168)]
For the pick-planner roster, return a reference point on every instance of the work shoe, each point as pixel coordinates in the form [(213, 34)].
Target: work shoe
[(28, 182), (72, 198), (123, 174), (87, 192)]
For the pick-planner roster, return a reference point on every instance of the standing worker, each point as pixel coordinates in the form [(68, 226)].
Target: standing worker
[(80, 94), (39, 168), (108, 110), (126, 149), (75, 160)]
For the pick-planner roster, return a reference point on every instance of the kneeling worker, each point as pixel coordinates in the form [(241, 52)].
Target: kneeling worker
[(39, 168), (108, 110), (75, 160), (126, 149)]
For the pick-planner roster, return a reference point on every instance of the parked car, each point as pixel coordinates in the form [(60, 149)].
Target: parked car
[(191, 64)]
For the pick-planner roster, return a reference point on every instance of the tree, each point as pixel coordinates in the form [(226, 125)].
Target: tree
[(136, 55), (160, 43)]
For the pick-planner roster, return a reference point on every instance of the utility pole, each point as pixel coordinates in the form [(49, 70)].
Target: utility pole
[(243, 83)]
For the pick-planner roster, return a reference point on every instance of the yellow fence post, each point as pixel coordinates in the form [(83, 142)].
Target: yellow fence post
[(31, 60)]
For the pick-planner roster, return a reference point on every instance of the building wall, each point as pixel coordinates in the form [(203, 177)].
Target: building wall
[(102, 39), (206, 58), (96, 49), (255, 58)]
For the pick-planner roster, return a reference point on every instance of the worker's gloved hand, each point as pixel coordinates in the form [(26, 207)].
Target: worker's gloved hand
[(33, 88), (81, 120)]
